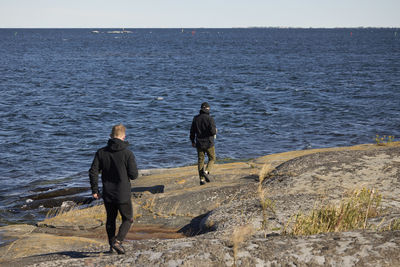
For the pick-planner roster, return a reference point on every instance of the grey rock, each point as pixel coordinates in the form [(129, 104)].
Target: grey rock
[(225, 225)]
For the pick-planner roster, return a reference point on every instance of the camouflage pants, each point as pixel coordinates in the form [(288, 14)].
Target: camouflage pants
[(201, 153)]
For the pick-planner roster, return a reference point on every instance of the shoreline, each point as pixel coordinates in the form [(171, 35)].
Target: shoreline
[(85, 200), (200, 214), (59, 197)]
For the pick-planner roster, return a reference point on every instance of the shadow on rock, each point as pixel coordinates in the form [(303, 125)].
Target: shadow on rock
[(194, 227), (152, 189), (252, 177), (77, 254), (64, 255)]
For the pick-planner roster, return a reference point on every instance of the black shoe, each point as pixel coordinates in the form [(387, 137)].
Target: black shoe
[(202, 181), (206, 176), (110, 251), (117, 246)]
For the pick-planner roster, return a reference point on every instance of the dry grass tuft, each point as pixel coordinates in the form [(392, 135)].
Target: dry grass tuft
[(264, 172), (266, 203), (76, 215), (352, 213), (240, 235), (395, 225)]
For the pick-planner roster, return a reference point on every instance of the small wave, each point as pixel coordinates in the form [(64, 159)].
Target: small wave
[(58, 193), (48, 203)]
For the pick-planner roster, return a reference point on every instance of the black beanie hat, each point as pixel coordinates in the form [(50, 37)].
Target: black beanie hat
[(205, 105)]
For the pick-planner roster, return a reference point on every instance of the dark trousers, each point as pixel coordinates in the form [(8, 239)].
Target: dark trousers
[(126, 212)]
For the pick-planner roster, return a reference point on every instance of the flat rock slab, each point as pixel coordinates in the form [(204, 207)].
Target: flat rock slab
[(358, 248), (331, 174), (210, 215)]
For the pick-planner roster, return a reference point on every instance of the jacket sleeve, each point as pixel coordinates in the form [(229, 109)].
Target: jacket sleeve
[(213, 129), (132, 169), (94, 174), (193, 131)]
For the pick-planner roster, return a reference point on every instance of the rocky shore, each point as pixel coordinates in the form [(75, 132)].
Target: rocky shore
[(223, 223)]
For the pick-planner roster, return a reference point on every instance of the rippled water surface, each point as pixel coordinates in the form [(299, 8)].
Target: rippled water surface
[(270, 90)]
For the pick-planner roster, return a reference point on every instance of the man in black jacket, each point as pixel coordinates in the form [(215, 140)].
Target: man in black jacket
[(202, 134), (117, 166)]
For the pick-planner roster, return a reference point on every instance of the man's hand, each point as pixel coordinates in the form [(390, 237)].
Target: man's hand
[(193, 144), (96, 196)]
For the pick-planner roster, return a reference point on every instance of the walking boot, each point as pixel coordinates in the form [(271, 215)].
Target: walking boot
[(204, 175), (207, 176), (117, 246)]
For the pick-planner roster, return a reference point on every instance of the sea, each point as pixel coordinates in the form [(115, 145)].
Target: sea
[(270, 90)]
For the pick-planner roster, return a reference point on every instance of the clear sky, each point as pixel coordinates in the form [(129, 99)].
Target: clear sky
[(198, 13)]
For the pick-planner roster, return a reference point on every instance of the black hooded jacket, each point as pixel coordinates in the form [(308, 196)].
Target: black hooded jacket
[(203, 130), (117, 166)]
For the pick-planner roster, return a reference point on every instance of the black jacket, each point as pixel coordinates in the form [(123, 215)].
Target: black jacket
[(203, 130), (117, 166)]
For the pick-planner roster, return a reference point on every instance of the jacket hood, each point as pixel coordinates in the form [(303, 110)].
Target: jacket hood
[(116, 144)]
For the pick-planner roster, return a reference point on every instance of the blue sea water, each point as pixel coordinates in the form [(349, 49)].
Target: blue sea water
[(270, 91)]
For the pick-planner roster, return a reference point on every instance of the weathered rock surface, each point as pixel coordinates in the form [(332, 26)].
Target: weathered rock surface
[(211, 216)]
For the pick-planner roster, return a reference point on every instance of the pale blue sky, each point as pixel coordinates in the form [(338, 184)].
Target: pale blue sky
[(199, 13)]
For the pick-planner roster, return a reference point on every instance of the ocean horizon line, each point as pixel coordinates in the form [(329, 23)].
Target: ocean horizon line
[(172, 28)]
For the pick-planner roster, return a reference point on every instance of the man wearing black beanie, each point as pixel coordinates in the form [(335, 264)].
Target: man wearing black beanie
[(202, 135)]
